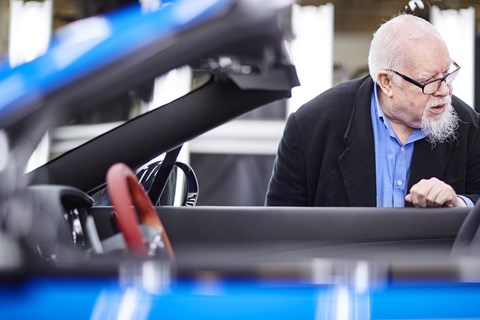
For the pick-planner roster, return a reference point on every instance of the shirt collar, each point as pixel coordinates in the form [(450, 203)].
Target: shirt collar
[(378, 109)]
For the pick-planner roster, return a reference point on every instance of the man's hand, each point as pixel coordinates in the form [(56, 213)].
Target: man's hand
[(433, 193)]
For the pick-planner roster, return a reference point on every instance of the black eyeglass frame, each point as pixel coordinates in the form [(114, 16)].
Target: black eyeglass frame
[(423, 85)]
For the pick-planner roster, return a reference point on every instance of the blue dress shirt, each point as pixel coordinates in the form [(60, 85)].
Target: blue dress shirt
[(392, 158)]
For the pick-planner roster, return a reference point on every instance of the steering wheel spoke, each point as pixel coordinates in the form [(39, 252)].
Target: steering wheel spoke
[(133, 207)]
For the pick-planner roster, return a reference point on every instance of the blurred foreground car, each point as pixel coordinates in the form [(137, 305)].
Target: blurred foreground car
[(72, 246)]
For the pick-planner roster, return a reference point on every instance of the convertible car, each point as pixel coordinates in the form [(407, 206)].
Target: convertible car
[(95, 233)]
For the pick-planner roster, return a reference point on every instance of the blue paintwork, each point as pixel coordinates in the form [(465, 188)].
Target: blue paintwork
[(105, 298), (85, 45)]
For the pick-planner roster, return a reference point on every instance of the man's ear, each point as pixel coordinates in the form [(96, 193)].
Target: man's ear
[(385, 83)]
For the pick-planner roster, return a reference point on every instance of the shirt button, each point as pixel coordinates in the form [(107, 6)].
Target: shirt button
[(399, 182), (402, 149)]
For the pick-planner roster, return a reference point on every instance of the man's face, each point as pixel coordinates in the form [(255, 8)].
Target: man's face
[(410, 106)]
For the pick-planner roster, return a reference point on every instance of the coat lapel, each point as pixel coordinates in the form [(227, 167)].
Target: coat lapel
[(357, 162)]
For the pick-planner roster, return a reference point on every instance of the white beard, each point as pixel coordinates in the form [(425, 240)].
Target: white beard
[(441, 129)]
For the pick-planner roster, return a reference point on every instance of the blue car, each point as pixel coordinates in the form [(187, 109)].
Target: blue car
[(95, 233)]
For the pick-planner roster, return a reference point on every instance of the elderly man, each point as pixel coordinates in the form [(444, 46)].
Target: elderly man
[(395, 138)]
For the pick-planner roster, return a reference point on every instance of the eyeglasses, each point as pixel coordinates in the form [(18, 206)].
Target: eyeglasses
[(432, 86)]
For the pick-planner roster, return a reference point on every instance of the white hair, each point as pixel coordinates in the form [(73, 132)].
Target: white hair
[(389, 44)]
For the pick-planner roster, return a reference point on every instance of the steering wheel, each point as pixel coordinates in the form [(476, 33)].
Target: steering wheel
[(124, 191)]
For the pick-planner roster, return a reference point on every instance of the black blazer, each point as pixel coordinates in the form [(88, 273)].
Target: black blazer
[(326, 155)]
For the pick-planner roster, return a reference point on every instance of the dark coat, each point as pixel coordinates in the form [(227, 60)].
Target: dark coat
[(326, 155)]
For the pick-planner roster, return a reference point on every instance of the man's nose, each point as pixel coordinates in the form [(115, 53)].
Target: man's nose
[(444, 89)]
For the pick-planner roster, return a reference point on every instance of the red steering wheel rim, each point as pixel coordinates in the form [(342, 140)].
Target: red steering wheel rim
[(127, 194)]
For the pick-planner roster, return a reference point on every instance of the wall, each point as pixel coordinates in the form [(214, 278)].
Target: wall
[(343, 46)]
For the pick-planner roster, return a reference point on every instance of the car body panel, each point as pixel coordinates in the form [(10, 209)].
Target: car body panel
[(104, 298)]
